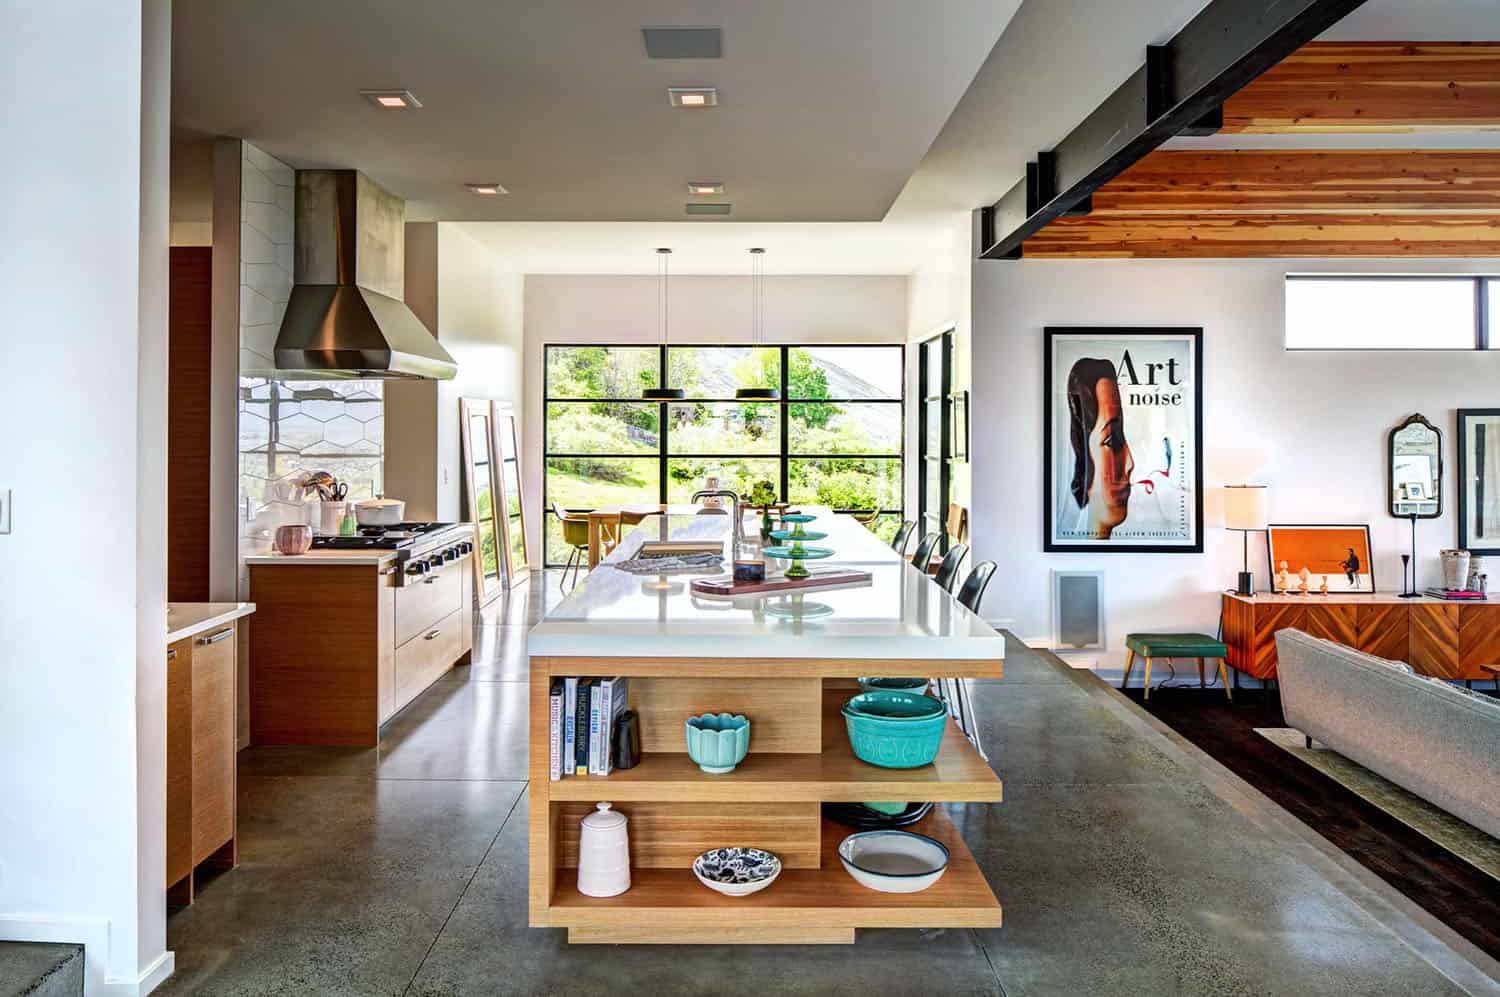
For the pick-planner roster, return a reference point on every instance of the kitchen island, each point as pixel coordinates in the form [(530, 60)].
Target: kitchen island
[(787, 661), (343, 639)]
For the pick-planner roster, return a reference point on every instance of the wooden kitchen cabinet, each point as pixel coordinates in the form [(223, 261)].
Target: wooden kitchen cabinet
[(201, 746), (1440, 639), (213, 728), (180, 770), (339, 646)]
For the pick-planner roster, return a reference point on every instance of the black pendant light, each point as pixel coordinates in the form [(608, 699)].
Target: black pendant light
[(757, 318), (662, 394)]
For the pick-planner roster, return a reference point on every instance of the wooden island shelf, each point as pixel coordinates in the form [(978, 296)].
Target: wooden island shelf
[(790, 679)]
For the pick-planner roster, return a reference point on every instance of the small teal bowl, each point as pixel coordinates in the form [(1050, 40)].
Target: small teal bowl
[(895, 730), (718, 742), (915, 686)]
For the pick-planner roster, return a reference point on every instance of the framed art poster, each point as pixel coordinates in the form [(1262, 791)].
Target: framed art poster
[(1479, 480), (1336, 558), (1123, 457)]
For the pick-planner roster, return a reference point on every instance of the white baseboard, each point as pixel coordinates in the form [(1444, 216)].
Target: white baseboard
[(93, 934), (155, 974)]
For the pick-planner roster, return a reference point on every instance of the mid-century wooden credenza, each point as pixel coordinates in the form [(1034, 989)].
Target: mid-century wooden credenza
[(1446, 639)]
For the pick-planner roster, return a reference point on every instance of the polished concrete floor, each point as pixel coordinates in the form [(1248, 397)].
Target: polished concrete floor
[(1126, 861)]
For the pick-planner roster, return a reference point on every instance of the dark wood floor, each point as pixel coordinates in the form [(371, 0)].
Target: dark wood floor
[(1462, 896)]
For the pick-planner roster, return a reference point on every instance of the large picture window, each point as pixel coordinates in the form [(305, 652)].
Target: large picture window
[(833, 437)]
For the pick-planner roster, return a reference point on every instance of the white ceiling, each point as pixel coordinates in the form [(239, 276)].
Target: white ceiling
[(827, 106), (723, 248)]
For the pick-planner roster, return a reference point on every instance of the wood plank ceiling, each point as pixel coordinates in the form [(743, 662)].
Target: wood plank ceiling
[(1309, 201)]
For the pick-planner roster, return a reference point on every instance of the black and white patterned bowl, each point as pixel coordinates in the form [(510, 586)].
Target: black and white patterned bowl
[(737, 872)]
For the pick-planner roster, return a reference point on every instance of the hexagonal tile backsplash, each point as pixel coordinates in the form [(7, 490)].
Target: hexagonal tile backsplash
[(288, 428)]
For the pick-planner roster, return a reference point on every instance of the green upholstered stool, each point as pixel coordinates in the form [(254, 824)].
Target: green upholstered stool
[(1170, 646)]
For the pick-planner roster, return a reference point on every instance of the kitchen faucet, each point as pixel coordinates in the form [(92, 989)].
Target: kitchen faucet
[(738, 533)]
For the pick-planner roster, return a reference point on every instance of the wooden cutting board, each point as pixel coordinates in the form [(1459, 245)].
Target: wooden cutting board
[(726, 585)]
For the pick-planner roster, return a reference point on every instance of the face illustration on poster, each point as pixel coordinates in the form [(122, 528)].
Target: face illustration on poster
[(1124, 409)]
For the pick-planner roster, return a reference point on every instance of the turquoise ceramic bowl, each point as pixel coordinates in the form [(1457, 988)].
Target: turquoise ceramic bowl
[(916, 686), (895, 730), (717, 742)]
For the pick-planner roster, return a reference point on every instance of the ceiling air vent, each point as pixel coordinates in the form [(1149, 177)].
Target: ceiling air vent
[(708, 209), (683, 43)]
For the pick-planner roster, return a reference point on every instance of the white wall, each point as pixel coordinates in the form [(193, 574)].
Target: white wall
[(480, 324), (1311, 426), (600, 308), (82, 623)]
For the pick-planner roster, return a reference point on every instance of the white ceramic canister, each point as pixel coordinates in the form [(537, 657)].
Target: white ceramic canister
[(603, 854)]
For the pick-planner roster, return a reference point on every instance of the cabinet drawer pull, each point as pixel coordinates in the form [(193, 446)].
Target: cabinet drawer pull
[(431, 635), (429, 579), (215, 638), (171, 654)]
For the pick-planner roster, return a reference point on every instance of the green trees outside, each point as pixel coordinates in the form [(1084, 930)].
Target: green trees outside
[(603, 444)]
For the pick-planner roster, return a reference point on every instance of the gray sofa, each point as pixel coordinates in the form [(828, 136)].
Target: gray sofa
[(1431, 738)]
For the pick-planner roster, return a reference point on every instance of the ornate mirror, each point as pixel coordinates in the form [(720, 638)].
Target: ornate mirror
[(1416, 467)]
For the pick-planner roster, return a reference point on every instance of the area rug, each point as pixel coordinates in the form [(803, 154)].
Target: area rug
[(1459, 837)]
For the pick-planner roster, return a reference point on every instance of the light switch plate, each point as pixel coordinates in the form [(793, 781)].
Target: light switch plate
[(4, 510)]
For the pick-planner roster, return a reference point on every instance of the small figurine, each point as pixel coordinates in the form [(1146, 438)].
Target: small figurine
[(1283, 580), (1303, 575), (1323, 589)]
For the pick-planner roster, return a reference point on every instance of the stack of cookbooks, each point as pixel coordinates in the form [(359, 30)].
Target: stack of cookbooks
[(584, 714), (1455, 595)]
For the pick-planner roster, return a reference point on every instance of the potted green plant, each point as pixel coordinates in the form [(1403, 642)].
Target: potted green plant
[(763, 497)]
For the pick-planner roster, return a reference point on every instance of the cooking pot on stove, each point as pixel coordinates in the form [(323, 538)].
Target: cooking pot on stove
[(380, 512)]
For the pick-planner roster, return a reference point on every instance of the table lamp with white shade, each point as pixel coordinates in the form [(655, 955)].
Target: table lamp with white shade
[(1245, 509)]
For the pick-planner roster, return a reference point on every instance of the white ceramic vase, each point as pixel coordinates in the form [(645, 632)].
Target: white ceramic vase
[(603, 853), (1455, 568)]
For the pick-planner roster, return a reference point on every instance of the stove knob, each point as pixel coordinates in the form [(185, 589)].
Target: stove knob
[(465, 548), (451, 554), (436, 561), (417, 568)]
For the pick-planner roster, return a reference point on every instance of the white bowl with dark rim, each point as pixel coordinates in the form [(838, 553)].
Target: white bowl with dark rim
[(737, 872), (894, 861)]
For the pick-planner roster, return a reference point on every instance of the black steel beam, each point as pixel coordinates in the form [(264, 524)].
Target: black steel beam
[(1180, 90)]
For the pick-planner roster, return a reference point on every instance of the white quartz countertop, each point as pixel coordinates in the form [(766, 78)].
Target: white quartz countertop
[(325, 557), (188, 619), (900, 614)]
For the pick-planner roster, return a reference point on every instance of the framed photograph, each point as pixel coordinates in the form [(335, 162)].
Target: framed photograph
[(1123, 455), (1337, 558), (1479, 480), (961, 425)]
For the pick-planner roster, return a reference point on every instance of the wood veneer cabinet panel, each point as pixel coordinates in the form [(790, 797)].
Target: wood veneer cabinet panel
[(189, 401), (671, 835), (1385, 631), (314, 644), (1478, 639), (785, 714), (1268, 620), (1239, 633), (1434, 641), (1338, 622), (213, 740), (179, 762)]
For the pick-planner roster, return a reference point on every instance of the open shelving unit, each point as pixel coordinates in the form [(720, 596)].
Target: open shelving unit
[(772, 800)]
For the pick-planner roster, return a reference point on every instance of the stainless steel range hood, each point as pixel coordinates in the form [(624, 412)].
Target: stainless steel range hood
[(345, 317)]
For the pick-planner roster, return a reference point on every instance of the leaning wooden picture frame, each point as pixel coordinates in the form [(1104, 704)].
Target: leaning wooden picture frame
[(1338, 558)]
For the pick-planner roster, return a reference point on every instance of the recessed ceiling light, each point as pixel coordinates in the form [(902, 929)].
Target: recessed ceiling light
[(705, 187), (394, 100), (692, 96), (486, 188)]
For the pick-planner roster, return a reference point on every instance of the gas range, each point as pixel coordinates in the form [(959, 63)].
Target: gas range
[(421, 548)]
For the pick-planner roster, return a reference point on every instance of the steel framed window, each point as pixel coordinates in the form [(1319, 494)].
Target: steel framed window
[(787, 459)]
